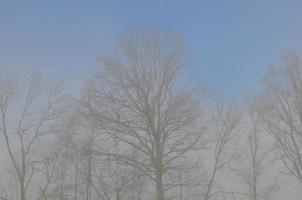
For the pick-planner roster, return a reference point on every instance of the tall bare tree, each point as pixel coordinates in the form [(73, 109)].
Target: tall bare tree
[(137, 100), (224, 127), (48, 170), (280, 108), (38, 106), (255, 161), (67, 147)]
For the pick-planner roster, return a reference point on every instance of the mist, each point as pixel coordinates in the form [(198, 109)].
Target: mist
[(150, 112)]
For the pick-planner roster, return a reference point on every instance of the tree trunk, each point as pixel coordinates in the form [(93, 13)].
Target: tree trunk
[(88, 185), (211, 181), (76, 180), (158, 172), (159, 186), (22, 189), (22, 178)]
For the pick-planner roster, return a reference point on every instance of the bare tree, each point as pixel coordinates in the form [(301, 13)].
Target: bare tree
[(224, 127), (116, 181), (254, 164), (136, 100), (48, 170), (280, 108), (39, 107), (67, 148), (88, 161), (185, 181)]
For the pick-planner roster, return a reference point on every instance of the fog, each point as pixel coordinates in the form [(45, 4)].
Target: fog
[(138, 122)]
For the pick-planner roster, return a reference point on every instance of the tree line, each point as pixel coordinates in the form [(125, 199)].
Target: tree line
[(142, 130)]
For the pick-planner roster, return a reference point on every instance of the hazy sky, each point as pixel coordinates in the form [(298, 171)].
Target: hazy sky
[(230, 41)]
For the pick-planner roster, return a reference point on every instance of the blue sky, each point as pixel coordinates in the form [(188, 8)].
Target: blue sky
[(230, 41)]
